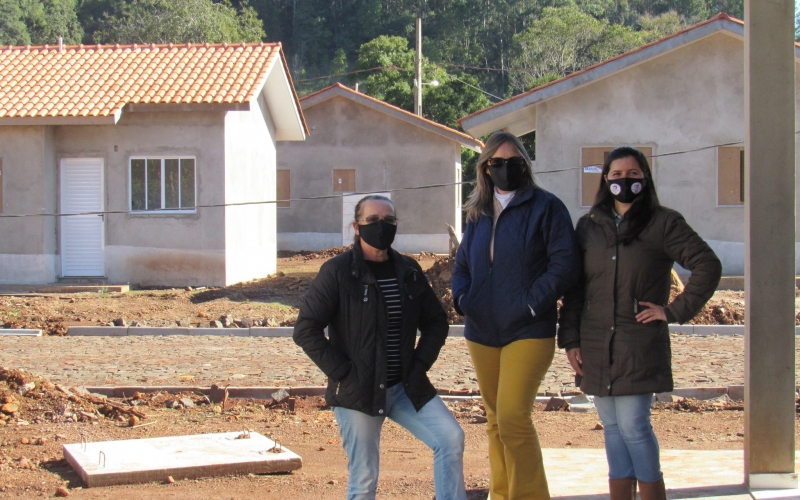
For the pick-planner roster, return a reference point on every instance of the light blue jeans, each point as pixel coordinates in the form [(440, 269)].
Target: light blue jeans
[(434, 425), (631, 444)]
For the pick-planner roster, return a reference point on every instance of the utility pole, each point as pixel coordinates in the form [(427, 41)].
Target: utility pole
[(418, 72)]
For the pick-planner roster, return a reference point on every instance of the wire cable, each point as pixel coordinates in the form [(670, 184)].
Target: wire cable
[(341, 195)]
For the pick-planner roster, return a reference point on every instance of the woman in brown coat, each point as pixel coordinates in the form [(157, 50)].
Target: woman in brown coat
[(614, 324)]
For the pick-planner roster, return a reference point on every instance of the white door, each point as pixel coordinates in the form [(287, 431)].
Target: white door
[(82, 236), (349, 202)]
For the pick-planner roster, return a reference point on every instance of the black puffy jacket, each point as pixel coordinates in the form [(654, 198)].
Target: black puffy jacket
[(345, 298)]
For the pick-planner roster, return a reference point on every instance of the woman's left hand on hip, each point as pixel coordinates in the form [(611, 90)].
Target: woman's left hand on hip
[(654, 312)]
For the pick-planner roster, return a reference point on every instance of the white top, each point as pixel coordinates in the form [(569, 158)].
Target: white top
[(504, 199)]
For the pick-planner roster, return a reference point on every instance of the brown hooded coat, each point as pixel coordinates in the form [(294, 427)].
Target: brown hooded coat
[(621, 356)]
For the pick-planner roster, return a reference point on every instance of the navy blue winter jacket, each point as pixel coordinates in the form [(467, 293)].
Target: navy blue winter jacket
[(536, 259)]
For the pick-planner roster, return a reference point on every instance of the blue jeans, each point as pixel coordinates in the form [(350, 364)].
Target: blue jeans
[(631, 444), (434, 425)]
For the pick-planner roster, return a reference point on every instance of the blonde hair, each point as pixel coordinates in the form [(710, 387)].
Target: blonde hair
[(481, 200)]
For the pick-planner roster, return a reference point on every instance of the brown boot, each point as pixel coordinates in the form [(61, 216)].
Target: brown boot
[(622, 489), (653, 491)]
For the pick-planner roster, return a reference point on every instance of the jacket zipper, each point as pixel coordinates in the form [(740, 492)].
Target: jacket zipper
[(338, 384), (366, 291)]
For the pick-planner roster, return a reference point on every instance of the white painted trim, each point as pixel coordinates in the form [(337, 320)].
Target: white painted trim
[(161, 157), (297, 241), (282, 103)]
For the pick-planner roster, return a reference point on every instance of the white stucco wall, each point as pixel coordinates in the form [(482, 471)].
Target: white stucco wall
[(149, 248), (690, 98), (28, 245), (250, 230), (387, 154)]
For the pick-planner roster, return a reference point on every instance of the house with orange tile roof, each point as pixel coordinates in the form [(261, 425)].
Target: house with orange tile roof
[(361, 145), (679, 99), (142, 164)]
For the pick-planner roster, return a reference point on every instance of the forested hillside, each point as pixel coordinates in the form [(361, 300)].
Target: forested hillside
[(479, 50)]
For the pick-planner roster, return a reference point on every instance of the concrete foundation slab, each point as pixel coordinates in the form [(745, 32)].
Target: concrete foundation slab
[(582, 474), (182, 457), (28, 289), (20, 331)]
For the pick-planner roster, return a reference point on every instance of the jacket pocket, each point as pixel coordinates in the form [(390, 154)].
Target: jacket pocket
[(346, 390), (418, 387)]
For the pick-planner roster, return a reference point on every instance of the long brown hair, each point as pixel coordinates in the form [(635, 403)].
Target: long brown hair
[(481, 200)]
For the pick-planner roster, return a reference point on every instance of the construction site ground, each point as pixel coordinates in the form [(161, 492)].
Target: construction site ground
[(50, 414)]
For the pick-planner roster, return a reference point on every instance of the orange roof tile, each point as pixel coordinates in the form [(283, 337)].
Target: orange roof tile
[(99, 80)]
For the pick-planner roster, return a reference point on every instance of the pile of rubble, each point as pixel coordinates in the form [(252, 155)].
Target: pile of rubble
[(440, 276), (692, 405), (312, 254), (27, 399)]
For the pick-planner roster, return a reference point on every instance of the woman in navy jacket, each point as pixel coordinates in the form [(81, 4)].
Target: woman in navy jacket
[(518, 256)]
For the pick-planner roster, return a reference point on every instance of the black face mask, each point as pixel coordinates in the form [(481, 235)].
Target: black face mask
[(378, 235), (626, 189), (508, 177)]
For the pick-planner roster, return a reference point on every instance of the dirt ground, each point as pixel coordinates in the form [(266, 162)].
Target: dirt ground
[(271, 301), (47, 417), (33, 432)]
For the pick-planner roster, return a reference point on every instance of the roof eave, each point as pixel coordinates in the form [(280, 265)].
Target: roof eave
[(61, 120), (340, 91), (283, 103)]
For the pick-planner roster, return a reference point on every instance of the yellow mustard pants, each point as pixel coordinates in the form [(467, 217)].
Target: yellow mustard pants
[(509, 378)]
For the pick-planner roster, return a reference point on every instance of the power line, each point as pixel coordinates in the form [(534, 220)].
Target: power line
[(474, 87), (340, 195), (335, 75)]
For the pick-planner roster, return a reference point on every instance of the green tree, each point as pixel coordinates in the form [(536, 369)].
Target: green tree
[(13, 30), (559, 42), (166, 21), (46, 20), (395, 82)]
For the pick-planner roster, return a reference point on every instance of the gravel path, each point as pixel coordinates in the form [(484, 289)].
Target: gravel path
[(698, 361)]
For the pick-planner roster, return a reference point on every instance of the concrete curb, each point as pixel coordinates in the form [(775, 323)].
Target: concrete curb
[(20, 331), (734, 392), (286, 331)]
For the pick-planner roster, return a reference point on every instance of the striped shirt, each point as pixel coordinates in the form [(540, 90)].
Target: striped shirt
[(387, 283)]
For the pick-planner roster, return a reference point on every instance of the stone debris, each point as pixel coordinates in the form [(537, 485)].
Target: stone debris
[(280, 396), (62, 492), (557, 404)]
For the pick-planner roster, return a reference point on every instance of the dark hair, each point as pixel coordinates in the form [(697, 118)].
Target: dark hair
[(482, 197), (360, 209), (643, 207)]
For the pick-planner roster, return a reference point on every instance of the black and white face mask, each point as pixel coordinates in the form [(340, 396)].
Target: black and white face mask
[(626, 189)]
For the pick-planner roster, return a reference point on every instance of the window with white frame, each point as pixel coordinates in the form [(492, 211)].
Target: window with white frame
[(162, 184)]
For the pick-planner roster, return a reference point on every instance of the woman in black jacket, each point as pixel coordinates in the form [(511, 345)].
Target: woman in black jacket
[(373, 300), (614, 323), (517, 257)]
